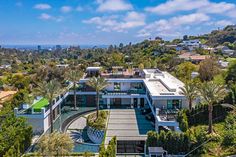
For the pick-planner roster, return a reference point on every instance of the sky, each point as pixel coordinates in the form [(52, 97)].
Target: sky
[(104, 22)]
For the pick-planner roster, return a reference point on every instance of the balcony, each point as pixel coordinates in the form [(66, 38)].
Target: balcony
[(128, 92)]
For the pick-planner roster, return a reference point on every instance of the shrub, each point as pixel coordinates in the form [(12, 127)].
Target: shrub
[(110, 151), (229, 138), (173, 142), (183, 120)]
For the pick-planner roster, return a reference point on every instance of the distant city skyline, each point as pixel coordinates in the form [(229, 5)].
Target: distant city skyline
[(105, 22)]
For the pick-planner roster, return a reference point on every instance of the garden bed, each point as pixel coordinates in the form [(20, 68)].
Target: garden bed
[(98, 123)]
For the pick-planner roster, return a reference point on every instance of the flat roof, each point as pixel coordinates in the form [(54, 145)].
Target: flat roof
[(161, 83), (5, 94), (43, 102)]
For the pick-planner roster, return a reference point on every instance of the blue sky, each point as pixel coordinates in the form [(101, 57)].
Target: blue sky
[(93, 22)]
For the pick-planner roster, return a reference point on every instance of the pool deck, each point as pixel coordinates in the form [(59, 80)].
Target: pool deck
[(127, 125)]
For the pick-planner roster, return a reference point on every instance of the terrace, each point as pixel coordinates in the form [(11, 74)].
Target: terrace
[(114, 72), (42, 103)]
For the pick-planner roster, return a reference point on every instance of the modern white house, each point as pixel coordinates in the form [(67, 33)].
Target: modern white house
[(156, 90), (191, 44)]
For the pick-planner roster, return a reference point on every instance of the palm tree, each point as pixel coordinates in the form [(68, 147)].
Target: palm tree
[(211, 93), (98, 83), (190, 91), (74, 76), (49, 90)]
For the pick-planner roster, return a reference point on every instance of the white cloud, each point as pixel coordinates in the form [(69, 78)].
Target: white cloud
[(172, 6), (202, 6), (172, 25), (42, 6), (223, 23), (66, 9), (79, 8), (113, 5), (132, 20), (217, 8), (45, 16)]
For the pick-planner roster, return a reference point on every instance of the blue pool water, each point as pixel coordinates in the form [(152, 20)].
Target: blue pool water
[(86, 148)]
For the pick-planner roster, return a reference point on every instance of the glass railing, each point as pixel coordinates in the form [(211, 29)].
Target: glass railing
[(128, 92)]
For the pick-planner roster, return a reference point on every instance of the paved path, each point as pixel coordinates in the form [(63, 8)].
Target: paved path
[(127, 124)]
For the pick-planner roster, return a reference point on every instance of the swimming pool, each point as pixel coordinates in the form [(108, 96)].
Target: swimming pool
[(84, 147)]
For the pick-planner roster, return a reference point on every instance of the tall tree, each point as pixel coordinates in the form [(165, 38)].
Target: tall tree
[(231, 73), (184, 71), (74, 76), (190, 91), (49, 90), (211, 93), (208, 69), (98, 83)]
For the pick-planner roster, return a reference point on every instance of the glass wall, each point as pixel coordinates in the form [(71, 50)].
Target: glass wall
[(174, 104)]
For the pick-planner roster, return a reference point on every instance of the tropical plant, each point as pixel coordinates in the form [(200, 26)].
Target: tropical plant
[(74, 76), (211, 93), (190, 91), (49, 90), (98, 83), (55, 144)]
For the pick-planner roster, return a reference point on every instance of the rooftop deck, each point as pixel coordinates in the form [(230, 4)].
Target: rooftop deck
[(40, 104)]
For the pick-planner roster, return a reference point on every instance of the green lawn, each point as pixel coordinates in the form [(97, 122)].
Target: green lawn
[(40, 104), (230, 59)]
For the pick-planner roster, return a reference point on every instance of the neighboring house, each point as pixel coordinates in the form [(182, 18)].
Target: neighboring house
[(225, 50), (191, 44), (5, 66), (62, 66), (194, 74), (192, 57), (176, 47), (223, 64), (127, 88), (5, 96)]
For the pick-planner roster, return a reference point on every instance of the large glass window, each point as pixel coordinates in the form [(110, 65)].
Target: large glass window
[(174, 104)]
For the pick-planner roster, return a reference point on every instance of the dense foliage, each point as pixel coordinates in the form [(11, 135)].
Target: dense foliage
[(110, 151), (55, 144), (15, 136), (173, 142)]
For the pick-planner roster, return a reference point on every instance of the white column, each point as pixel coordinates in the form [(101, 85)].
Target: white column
[(156, 122), (139, 102), (132, 103), (108, 103)]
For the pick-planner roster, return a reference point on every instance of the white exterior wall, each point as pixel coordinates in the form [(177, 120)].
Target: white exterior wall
[(46, 123), (110, 87), (37, 124), (125, 86)]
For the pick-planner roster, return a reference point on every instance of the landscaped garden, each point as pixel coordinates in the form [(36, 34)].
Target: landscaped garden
[(195, 138), (98, 123)]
